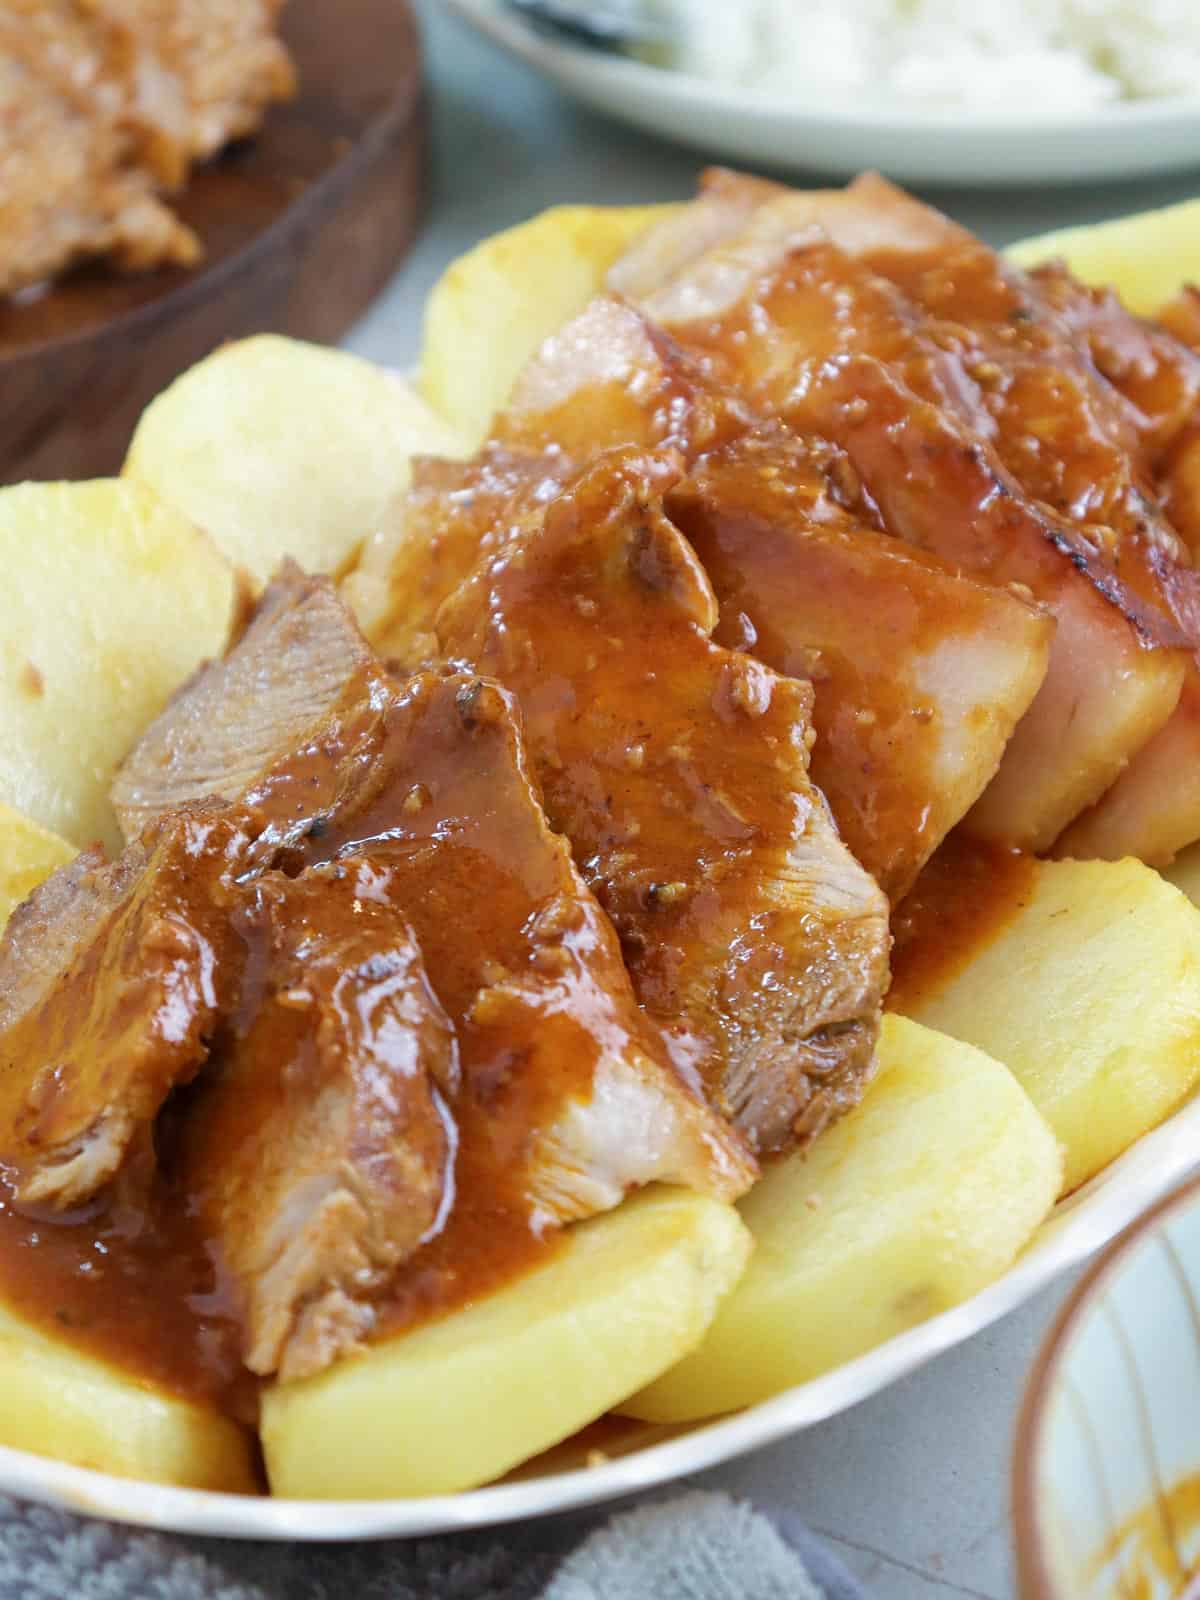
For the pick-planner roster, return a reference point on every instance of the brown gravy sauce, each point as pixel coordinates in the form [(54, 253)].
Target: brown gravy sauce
[(966, 895), (1146, 1551), (134, 1286)]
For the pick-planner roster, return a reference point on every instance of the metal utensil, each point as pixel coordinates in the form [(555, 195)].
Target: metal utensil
[(620, 26)]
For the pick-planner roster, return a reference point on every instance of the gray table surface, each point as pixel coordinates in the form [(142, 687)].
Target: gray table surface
[(911, 1486)]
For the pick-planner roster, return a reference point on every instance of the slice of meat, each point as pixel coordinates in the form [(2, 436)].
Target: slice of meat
[(920, 674), (319, 1155), (111, 982), (293, 684), (1025, 378), (568, 1097), (973, 657), (679, 772), (807, 331), (432, 773)]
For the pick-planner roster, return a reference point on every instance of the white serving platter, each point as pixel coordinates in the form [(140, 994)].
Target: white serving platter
[(638, 1456)]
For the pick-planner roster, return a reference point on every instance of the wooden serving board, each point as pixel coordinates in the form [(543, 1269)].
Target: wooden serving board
[(302, 225)]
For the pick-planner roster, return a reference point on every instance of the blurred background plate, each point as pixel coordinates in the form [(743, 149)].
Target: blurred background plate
[(302, 225), (1124, 140)]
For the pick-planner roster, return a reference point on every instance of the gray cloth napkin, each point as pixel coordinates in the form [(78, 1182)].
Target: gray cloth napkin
[(694, 1546)]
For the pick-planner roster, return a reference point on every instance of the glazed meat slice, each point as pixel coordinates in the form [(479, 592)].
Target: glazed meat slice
[(112, 978), (1072, 441), (811, 333), (569, 1097), (678, 770), (295, 687), (919, 673), (430, 776), (319, 1155), (792, 561)]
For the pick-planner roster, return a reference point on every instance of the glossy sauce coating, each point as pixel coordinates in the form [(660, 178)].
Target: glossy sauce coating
[(968, 893), (678, 771)]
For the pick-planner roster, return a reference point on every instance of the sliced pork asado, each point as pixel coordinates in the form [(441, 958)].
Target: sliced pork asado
[(112, 980), (678, 770), (320, 1156), (912, 711), (1022, 374), (291, 701), (568, 1096), (796, 563), (809, 332)]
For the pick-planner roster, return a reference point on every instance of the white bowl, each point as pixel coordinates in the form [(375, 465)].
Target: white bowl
[(1123, 140), (1110, 1425)]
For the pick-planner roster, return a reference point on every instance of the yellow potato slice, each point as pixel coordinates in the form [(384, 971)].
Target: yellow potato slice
[(1090, 993), (459, 1401), (913, 1202), (1146, 257), (27, 855), (491, 309), (111, 598), (58, 1401), (278, 448)]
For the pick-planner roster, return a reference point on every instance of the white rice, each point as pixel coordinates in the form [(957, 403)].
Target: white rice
[(997, 57)]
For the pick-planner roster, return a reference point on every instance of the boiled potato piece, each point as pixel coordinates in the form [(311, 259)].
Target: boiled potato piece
[(61, 1402), (27, 855), (111, 598), (918, 1198), (461, 1400), (278, 448), (1146, 257), (1090, 993), (491, 309)]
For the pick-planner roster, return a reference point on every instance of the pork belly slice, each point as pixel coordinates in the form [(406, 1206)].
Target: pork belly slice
[(1072, 440), (293, 690), (678, 770), (319, 1151), (112, 978), (569, 1096), (920, 674), (807, 331)]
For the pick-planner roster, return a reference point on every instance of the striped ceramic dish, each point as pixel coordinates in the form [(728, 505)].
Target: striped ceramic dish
[(1106, 1485)]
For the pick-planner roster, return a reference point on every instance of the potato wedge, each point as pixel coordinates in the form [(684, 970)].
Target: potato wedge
[(491, 309), (1146, 257), (1090, 993), (459, 1401), (917, 1199), (61, 1402), (280, 448), (27, 855), (111, 598)]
